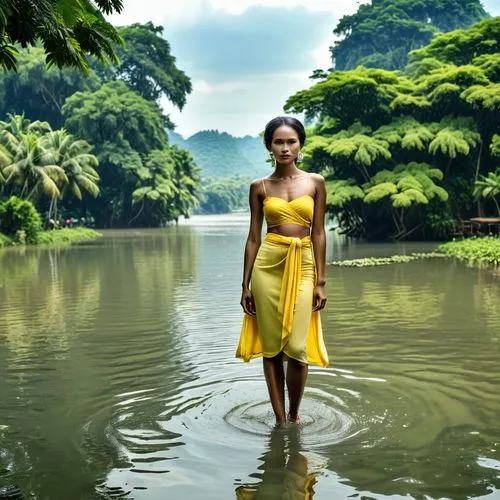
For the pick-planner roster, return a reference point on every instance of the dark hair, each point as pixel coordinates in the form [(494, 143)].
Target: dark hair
[(280, 121)]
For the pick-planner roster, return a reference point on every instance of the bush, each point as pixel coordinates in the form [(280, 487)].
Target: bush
[(20, 220), (482, 251)]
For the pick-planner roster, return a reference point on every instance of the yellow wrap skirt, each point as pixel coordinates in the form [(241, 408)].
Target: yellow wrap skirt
[(282, 284)]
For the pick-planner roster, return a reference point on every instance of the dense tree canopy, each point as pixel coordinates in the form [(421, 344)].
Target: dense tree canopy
[(144, 181), (125, 172), (43, 166), (39, 92), (69, 30), (383, 32), (402, 151), (147, 65)]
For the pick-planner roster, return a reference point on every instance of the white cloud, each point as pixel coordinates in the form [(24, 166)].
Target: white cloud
[(239, 107), (168, 12), (242, 70)]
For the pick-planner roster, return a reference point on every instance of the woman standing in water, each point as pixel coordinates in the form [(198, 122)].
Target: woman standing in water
[(284, 276)]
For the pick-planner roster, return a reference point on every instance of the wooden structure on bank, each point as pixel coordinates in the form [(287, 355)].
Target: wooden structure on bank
[(478, 226)]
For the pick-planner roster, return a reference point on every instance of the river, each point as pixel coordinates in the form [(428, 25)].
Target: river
[(118, 377)]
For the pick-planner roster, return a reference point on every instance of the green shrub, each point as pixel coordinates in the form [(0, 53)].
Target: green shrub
[(5, 241), (20, 220), (482, 251)]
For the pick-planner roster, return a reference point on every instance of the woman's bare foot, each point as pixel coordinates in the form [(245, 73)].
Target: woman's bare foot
[(293, 418)]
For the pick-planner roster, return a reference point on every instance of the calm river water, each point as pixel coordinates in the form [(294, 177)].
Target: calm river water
[(118, 377)]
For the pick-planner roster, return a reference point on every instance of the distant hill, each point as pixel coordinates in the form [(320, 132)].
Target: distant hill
[(220, 154)]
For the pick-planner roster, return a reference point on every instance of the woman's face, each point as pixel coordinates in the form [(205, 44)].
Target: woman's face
[(285, 145)]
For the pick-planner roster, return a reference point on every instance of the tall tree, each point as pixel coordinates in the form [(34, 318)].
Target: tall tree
[(147, 65), (372, 127), (130, 140), (380, 34), (39, 92), (69, 30)]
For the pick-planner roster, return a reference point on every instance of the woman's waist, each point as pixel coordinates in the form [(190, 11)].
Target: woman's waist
[(303, 241)]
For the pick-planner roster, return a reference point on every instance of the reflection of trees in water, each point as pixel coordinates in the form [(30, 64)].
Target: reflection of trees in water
[(486, 295), (141, 278), (90, 326), (283, 472), (417, 306), (45, 299), (372, 295)]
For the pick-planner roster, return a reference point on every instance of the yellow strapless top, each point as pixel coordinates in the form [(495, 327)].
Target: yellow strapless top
[(278, 211)]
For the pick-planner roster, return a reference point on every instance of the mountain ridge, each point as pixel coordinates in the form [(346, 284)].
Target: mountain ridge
[(220, 154)]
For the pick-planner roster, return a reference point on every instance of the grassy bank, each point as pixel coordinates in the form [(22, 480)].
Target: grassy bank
[(58, 237), (477, 251)]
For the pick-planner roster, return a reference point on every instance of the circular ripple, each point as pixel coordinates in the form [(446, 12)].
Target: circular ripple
[(321, 424)]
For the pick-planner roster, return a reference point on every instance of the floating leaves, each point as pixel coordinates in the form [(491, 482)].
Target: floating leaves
[(384, 261)]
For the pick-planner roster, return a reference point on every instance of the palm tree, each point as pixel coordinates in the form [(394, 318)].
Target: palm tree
[(5, 159), (30, 168), (186, 181), (489, 187), (156, 197), (78, 164)]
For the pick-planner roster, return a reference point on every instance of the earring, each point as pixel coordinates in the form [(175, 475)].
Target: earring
[(300, 157), (272, 159)]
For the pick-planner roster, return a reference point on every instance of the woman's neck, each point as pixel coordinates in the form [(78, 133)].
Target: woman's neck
[(283, 171)]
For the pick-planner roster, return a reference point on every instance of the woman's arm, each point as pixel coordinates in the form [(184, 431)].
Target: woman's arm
[(252, 245), (318, 238)]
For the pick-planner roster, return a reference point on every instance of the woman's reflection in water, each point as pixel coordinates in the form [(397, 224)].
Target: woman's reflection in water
[(284, 472)]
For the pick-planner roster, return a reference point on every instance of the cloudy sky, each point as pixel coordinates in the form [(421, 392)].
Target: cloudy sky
[(244, 57)]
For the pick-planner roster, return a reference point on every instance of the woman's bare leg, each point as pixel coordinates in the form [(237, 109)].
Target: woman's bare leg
[(275, 379), (296, 376)]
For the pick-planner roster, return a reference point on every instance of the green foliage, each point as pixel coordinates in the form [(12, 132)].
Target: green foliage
[(38, 162), (19, 220), (381, 33), (495, 145), (483, 96), (440, 225), (67, 236), (462, 46), (147, 66), (39, 92), (413, 141), (371, 89), (489, 187), (115, 112), (69, 30), (143, 180), (341, 192), (380, 191), (477, 251), (5, 241), (221, 195)]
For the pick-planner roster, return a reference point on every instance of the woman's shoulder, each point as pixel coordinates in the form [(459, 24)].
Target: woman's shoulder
[(317, 179), (256, 182)]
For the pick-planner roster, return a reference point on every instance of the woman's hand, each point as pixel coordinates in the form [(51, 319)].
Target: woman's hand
[(319, 297), (247, 302)]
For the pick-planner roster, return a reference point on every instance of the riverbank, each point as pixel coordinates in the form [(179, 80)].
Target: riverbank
[(66, 236)]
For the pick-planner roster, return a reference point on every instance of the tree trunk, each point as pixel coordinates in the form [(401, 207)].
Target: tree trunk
[(478, 164)]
